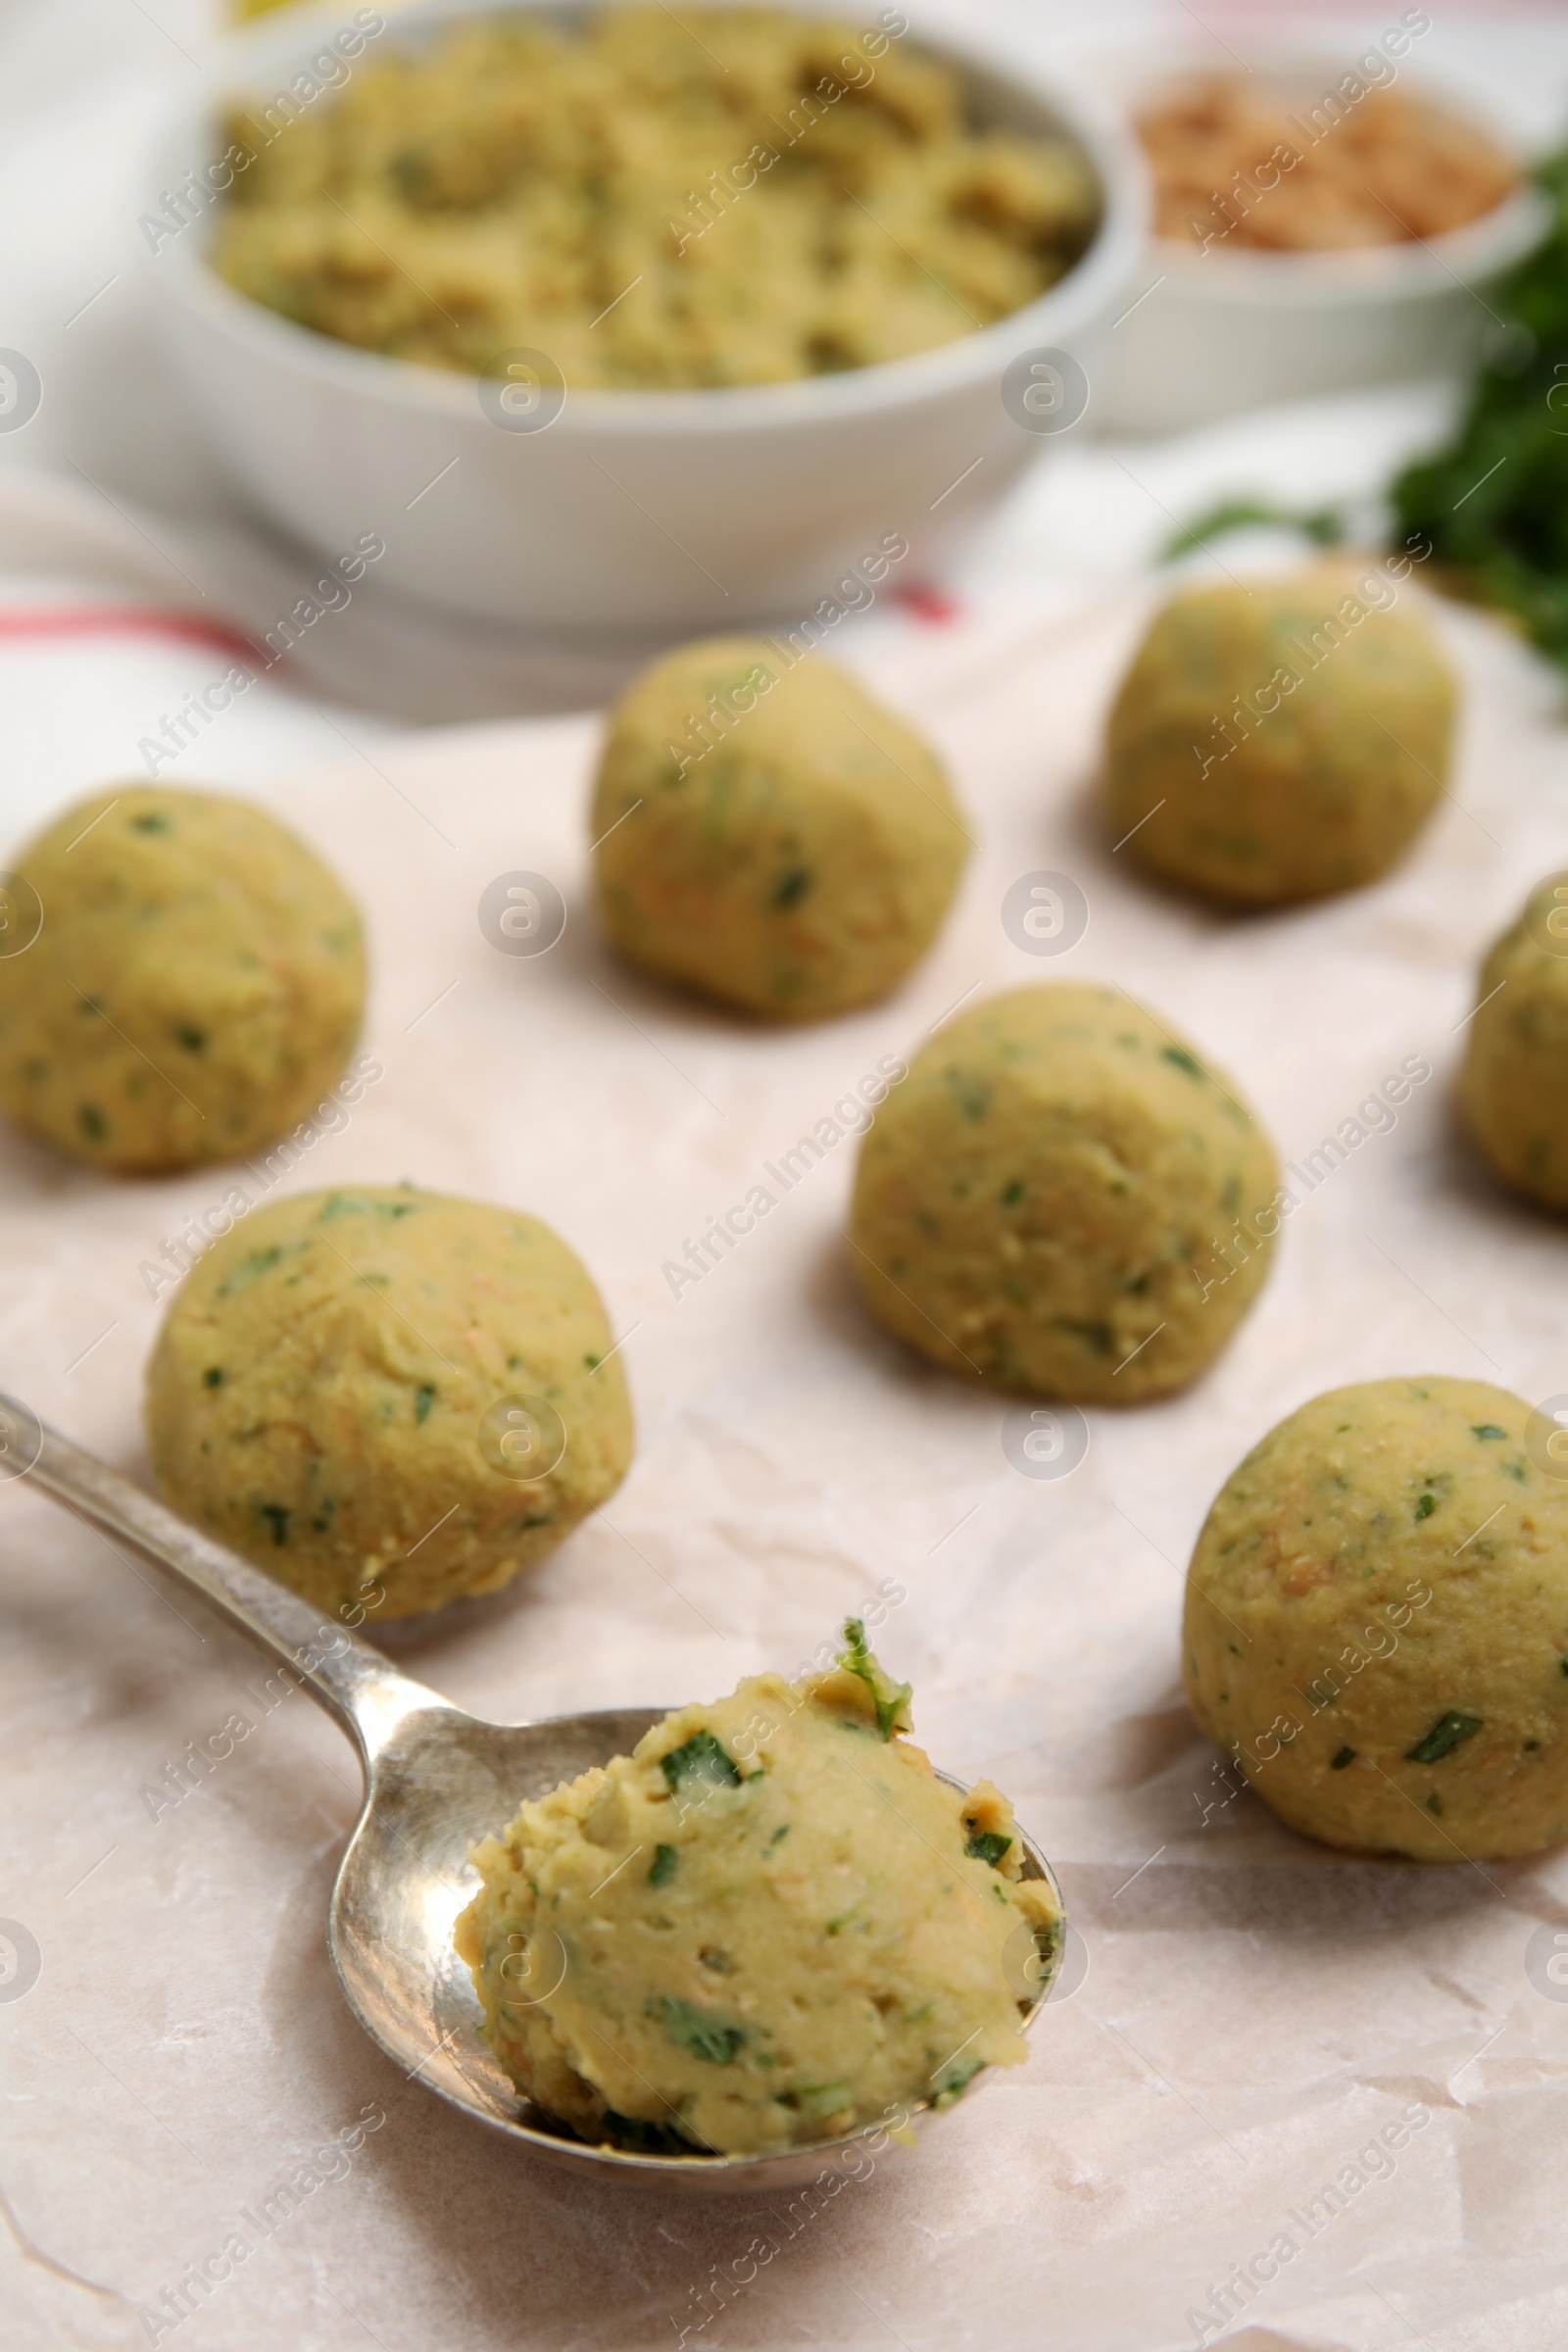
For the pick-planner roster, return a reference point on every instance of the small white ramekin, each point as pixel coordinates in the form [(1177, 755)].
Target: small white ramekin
[(1233, 327), (633, 511)]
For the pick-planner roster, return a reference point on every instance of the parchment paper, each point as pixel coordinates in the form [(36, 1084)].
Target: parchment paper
[(1255, 2010)]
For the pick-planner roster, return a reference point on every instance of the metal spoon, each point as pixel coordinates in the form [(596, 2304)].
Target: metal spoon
[(435, 1780)]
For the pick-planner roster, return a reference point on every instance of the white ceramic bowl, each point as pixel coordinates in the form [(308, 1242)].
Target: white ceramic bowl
[(663, 510), (1233, 327)]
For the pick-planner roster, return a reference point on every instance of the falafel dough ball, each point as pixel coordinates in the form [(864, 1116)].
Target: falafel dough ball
[(1513, 1087), (768, 1926), (387, 1399), (1322, 777), (1063, 1196), (195, 988), (801, 863), (1376, 1624)]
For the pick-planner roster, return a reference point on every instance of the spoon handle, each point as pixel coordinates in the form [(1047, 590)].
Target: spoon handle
[(351, 1680)]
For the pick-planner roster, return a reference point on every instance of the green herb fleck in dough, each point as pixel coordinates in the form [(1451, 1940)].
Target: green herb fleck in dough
[(640, 2139), (1443, 1738), (818, 2098), (276, 1518), (1426, 1506), (782, 1831), (424, 1399), (700, 2032), (793, 887), (193, 1040), (987, 1846), (1344, 1755), (1488, 1429), (151, 820), (1097, 1335), (701, 1759), (251, 1268), (955, 2080), (663, 1867), (891, 1699), (971, 1095), (93, 1123), (1183, 1061), (213, 1377)]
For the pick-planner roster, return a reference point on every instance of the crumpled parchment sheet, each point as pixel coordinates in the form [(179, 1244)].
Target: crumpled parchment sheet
[(1256, 2013)]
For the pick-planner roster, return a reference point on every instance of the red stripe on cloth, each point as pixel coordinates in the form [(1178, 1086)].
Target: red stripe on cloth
[(930, 605), (98, 620)]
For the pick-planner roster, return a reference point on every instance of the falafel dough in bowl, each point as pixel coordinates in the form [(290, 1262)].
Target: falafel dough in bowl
[(549, 179), (1065, 1197), (770, 834), (771, 1924), (193, 985), (1376, 1623), (1280, 739), (386, 1398)]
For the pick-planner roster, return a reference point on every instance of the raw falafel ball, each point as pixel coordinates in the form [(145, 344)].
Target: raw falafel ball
[(1278, 741), (194, 987), (1064, 1196), (770, 834), (1514, 1085), (386, 1398), (1375, 1624)]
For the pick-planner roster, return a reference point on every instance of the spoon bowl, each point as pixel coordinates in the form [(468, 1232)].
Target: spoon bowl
[(436, 1781)]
